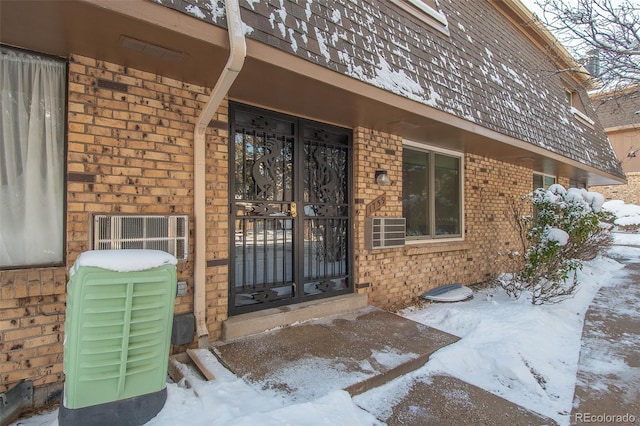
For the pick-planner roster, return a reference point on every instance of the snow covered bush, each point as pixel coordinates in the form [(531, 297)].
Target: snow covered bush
[(567, 227)]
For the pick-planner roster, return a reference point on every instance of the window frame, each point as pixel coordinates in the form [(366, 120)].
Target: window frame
[(543, 176), (577, 108), (65, 148), (433, 238), (426, 13)]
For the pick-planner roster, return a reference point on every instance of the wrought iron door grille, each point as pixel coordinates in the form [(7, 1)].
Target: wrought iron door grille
[(263, 248), (290, 210)]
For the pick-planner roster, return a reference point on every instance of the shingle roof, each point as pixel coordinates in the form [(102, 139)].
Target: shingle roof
[(486, 71), (618, 109)]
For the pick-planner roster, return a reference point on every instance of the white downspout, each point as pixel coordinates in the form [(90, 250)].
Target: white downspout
[(237, 54)]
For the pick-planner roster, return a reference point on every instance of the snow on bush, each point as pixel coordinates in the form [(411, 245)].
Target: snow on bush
[(557, 235), (568, 227)]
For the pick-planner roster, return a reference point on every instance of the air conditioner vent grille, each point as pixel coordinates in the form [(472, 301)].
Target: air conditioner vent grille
[(166, 233), (384, 232)]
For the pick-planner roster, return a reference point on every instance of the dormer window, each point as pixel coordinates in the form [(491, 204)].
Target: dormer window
[(428, 11), (577, 108), (569, 95)]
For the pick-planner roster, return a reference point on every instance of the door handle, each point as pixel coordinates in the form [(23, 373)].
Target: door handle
[(293, 210)]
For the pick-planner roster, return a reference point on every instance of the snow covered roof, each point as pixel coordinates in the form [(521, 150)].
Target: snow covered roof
[(484, 68)]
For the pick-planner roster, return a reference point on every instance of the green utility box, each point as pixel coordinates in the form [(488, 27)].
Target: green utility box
[(117, 335)]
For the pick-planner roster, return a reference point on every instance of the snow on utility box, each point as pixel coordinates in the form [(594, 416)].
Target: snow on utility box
[(117, 333)]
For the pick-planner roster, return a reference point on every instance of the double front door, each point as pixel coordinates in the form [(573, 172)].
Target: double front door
[(290, 210)]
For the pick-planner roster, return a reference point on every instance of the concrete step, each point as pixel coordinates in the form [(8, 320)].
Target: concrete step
[(257, 322), (354, 352)]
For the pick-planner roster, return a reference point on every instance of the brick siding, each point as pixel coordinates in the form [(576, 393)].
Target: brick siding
[(394, 278), (134, 140), (129, 151), (629, 193), (32, 312)]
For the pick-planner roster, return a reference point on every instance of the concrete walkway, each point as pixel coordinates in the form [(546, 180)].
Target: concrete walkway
[(608, 379), (353, 352), (362, 350), (369, 347), (446, 400)]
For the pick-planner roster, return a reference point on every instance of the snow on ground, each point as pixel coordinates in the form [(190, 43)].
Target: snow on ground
[(627, 214), (526, 354)]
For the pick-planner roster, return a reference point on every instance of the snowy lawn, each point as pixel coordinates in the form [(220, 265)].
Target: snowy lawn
[(627, 214), (526, 354)]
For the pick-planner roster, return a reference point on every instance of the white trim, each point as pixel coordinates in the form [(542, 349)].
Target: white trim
[(435, 14), (424, 12), (582, 116), (546, 174), (427, 147)]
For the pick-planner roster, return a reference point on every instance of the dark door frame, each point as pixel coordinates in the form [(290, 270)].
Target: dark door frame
[(291, 211)]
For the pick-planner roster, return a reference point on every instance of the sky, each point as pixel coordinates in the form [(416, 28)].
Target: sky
[(532, 6), (543, 339)]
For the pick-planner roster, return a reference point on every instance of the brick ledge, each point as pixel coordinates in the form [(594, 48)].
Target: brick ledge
[(428, 248)]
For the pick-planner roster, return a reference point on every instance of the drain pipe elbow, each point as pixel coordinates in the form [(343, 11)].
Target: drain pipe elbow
[(235, 62)]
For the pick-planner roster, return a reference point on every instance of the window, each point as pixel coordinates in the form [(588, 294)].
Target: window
[(577, 108), (577, 184), (569, 94), (431, 193), (543, 181), (31, 159), (427, 11)]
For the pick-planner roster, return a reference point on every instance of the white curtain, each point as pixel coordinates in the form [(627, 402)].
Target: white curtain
[(32, 90)]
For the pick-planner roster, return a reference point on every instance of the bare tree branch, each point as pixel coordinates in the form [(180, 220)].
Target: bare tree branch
[(603, 34)]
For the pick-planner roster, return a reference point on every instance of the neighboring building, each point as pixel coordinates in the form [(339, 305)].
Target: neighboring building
[(619, 113), (460, 103)]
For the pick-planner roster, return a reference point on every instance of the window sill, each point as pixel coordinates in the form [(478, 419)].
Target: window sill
[(426, 14), (435, 246), (582, 117), (39, 266)]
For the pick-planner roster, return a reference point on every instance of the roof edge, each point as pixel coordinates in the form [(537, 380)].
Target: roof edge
[(614, 92), (529, 24)]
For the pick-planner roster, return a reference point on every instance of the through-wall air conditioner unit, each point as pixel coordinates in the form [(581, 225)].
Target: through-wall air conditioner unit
[(166, 233), (384, 232)]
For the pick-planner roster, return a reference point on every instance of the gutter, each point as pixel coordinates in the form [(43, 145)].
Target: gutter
[(237, 54)]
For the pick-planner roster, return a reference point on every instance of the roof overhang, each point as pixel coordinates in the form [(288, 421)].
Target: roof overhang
[(270, 78)]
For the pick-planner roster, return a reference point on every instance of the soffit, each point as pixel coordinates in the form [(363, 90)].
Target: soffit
[(96, 28)]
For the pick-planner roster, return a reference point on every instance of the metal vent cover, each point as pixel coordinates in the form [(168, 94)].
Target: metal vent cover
[(166, 233), (384, 232)]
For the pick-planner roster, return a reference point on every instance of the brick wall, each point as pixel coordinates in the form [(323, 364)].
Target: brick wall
[(130, 151), (629, 193), (394, 278), (32, 312)]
